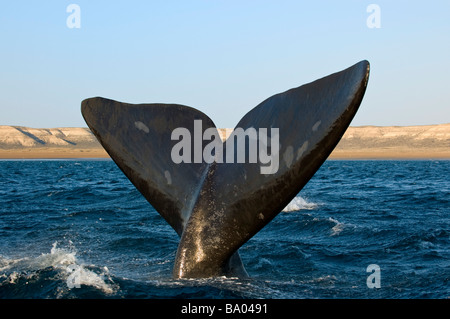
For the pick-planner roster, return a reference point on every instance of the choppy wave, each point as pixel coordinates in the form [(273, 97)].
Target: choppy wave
[(58, 271), (79, 229), (60, 274)]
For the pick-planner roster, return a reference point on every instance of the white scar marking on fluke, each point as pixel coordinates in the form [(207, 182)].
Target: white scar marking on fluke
[(168, 177), (288, 156), (141, 126), (302, 150), (316, 126)]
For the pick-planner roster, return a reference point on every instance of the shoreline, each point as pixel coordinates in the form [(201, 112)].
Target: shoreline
[(390, 154), (337, 154), (56, 153), (359, 142)]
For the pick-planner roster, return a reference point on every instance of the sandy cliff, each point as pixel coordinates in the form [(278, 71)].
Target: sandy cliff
[(25, 142), (430, 141)]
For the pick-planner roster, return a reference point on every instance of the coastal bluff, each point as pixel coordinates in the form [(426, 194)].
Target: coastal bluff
[(358, 142)]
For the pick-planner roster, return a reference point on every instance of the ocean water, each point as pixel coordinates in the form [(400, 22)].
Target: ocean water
[(79, 229)]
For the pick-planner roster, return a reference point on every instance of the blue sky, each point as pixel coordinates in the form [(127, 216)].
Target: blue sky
[(221, 57)]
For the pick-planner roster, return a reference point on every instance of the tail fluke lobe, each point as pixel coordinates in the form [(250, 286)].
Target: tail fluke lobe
[(138, 139), (217, 206)]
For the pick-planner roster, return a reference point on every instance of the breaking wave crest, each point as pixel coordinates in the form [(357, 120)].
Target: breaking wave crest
[(299, 203), (59, 271)]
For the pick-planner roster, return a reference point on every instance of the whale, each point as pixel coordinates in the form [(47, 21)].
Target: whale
[(216, 206)]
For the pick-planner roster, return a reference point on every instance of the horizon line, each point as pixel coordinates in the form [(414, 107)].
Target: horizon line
[(353, 126)]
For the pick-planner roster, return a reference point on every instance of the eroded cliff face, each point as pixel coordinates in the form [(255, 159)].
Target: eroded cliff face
[(12, 137), (392, 136), (425, 141)]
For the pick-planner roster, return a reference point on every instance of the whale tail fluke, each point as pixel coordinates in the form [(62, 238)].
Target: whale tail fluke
[(215, 206)]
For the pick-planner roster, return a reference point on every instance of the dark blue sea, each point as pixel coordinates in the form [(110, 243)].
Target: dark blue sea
[(79, 229)]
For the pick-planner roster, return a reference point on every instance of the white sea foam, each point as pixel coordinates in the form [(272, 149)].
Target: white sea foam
[(299, 203), (71, 271), (336, 229)]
